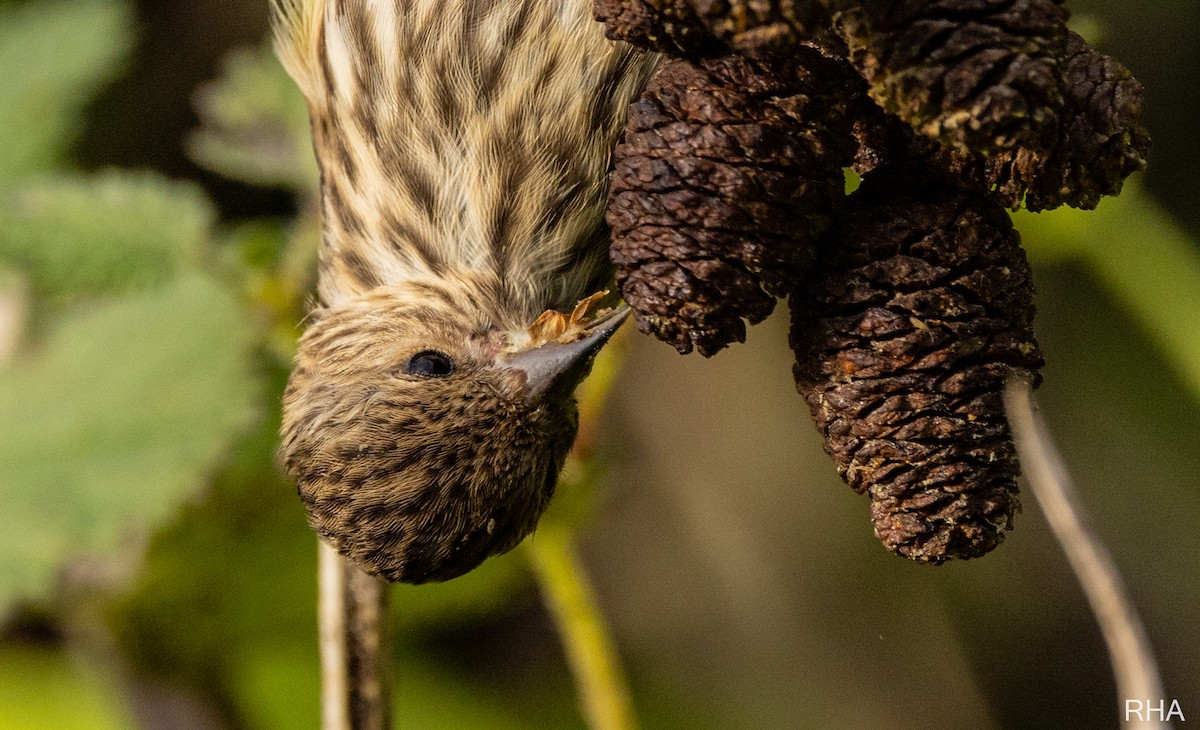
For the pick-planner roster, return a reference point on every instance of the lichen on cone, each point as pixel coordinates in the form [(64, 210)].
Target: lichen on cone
[(919, 309), (727, 174), (976, 75), (1098, 142)]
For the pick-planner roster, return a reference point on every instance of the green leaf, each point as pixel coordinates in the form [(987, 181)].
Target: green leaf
[(54, 56), (255, 125), (117, 230), (118, 418)]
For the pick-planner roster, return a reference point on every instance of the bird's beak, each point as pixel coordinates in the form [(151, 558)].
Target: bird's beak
[(556, 368)]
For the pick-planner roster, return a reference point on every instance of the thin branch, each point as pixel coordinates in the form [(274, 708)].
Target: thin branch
[(352, 622), (1129, 648), (586, 640)]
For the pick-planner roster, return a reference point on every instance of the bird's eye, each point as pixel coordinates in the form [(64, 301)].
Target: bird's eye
[(430, 364)]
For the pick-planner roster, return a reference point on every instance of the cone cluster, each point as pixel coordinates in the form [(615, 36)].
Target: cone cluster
[(911, 299)]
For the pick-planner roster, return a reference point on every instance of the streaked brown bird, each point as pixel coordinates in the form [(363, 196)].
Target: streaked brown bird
[(463, 147)]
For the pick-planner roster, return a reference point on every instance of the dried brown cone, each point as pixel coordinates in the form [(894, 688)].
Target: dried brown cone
[(727, 174), (1099, 142), (919, 309), (976, 75), (670, 26), (691, 28)]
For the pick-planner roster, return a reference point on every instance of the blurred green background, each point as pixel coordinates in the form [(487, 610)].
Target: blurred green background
[(156, 250)]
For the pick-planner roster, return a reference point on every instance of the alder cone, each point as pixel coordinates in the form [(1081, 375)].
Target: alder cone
[(670, 26), (1099, 142), (977, 75), (727, 174), (919, 309), (761, 27), (692, 28)]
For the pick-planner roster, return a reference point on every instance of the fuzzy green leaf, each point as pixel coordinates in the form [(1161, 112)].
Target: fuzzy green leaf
[(119, 417), (115, 231), (255, 125), (54, 56)]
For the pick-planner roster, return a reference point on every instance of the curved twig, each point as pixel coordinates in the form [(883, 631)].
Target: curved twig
[(1129, 648)]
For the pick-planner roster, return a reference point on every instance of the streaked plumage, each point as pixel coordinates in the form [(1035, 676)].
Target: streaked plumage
[(461, 134), (463, 148)]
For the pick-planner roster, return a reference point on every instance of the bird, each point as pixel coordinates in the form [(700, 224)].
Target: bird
[(463, 148)]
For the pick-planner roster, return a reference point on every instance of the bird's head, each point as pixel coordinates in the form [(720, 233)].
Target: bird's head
[(425, 435)]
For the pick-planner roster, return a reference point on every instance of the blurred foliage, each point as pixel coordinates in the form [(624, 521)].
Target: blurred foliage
[(42, 689), (115, 412), (140, 414), (140, 372), (115, 232), (255, 124), (1143, 256), (42, 94)]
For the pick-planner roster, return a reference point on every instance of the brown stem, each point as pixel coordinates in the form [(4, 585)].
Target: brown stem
[(352, 622)]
